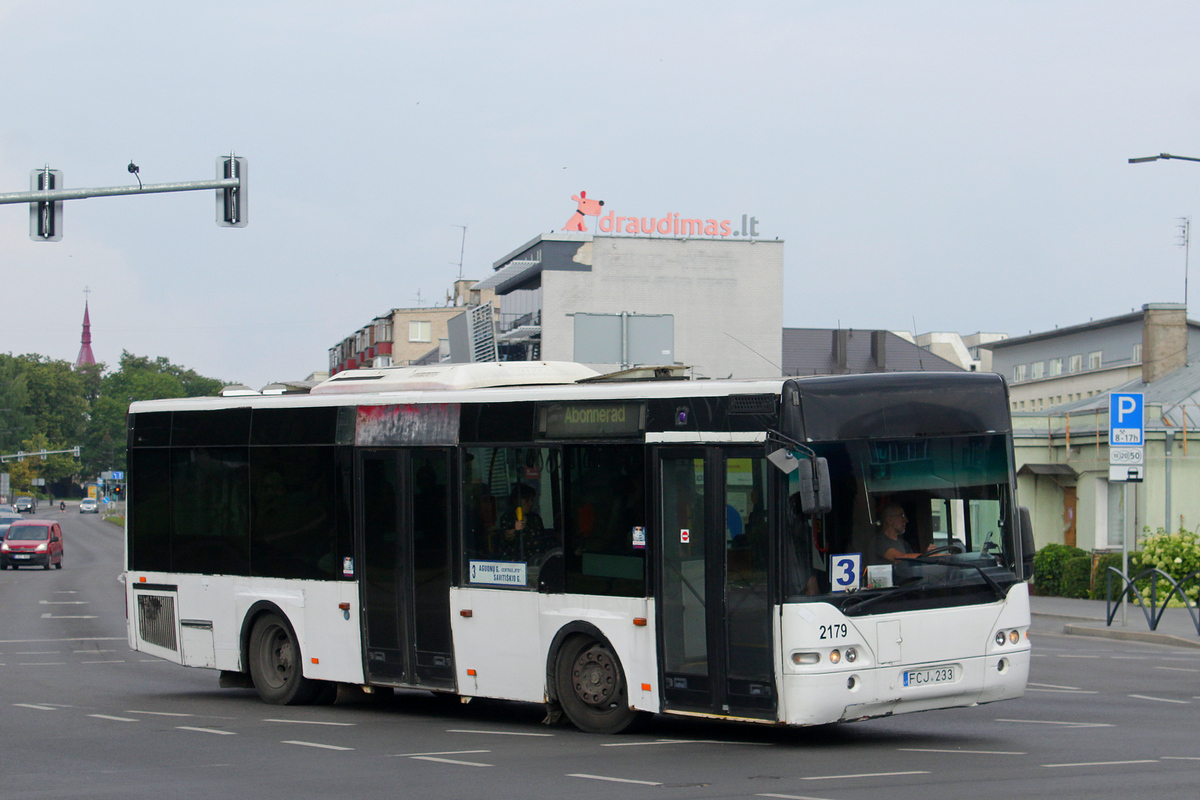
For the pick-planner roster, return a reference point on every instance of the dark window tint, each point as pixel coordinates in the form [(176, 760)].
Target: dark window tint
[(210, 510), (229, 426), (499, 422), (149, 509), (275, 426), (150, 430), (293, 513), (431, 551), (605, 521)]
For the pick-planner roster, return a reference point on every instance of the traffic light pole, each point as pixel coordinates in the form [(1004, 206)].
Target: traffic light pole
[(109, 191)]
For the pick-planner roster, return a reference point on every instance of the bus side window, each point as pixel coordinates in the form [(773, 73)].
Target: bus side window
[(605, 503)]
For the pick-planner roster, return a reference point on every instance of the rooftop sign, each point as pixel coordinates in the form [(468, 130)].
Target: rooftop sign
[(671, 224)]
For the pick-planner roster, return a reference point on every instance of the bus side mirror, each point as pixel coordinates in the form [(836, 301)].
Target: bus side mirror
[(1027, 547), (815, 497)]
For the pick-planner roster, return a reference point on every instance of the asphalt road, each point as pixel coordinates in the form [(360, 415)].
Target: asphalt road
[(82, 716)]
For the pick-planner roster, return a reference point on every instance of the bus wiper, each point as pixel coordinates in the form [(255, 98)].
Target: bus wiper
[(858, 602), (995, 587)]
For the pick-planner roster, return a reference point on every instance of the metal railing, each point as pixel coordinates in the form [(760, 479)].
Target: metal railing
[(1155, 611)]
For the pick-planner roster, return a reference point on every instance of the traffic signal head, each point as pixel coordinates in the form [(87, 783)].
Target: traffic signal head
[(231, 202), (45, 217)]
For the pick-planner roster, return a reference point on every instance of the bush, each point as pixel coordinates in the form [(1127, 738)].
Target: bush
[(1076, 580), (1100, 576), (1178, 555), (1048, 565)]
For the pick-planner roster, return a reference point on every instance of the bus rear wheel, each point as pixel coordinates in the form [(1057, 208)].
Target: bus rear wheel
[(275, 664), (591, 687)]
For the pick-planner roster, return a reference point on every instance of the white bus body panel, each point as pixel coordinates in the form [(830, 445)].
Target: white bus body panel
[(506, 640), (888, 645), (209, 611)]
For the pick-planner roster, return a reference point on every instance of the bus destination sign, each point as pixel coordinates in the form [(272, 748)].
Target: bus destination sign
[(590, 420)]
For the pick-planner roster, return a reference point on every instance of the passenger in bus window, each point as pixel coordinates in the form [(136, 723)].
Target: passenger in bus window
[(890, 543), (521, 532)]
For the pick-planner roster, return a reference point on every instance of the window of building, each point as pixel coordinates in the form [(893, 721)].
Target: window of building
[(420, 331), (1055, 367), (1075, 364), (1137, 352), (1039, 369), (1019, 372), (1094, 359)]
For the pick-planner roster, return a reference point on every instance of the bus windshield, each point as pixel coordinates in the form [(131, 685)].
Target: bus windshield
[(929, 519)]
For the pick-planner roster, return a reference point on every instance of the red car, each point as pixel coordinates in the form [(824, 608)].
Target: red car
[(32, 543)]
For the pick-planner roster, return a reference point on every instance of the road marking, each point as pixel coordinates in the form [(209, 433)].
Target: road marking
[(451, 761), (64, 602), (500, 733), (93, 651), (790, 796), (1063, 691), (35, 706), (41, 663), (1056, 722), (1159, 699), (317, 745), (1066, 655), (1131, 658), (1053, 686), (685, 741), (204, 730), (68, 639), (863, 775), (1105, 763), (159, 713), (115, 719), (1180, 758), (613, 780), (48, 615), (313, 722), (111, 661), (37, 653), (1179, 669), (445, 753), (971, 752)]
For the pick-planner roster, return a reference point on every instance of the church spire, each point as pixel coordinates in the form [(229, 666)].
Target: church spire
[(85, 350)]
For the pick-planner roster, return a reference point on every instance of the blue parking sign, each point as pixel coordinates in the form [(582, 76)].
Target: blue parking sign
[(1126, 419)]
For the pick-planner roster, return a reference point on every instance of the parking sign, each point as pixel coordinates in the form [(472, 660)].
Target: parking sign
[(1126, 436)]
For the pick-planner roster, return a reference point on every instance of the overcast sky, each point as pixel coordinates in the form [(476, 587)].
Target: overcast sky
[(950, 166)]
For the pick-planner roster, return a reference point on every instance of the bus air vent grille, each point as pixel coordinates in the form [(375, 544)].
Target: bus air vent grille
[(156, 620), (752, 404)]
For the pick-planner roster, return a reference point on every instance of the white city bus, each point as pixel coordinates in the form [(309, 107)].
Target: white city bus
[(531, 532)]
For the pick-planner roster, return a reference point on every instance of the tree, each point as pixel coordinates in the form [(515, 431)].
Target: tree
[(16, 423)]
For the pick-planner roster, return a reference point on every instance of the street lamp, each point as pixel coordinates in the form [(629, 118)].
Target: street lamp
[(1163, 156)]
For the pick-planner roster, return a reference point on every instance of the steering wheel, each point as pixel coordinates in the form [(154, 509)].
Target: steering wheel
[(946, 549)]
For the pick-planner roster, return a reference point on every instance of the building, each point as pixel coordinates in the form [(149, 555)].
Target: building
[(1069, 364), (840, 351), (85, 356)]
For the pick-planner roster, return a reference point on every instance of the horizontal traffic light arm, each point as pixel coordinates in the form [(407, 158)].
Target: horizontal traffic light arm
[(110, 191)]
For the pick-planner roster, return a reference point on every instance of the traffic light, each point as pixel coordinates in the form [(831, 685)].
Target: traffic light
[(231, 203), (118, 490), (45, 217)]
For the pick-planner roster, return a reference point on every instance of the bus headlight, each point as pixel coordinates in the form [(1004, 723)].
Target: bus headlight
[(802, 659), (851, 655), (1001, 638)]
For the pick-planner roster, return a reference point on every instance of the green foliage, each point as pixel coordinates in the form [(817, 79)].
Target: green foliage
[(1100, 578), (1048, 566), (1178, 555), (1076, 580)]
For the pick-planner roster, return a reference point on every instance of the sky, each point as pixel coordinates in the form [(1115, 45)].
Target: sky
[(931, 166)]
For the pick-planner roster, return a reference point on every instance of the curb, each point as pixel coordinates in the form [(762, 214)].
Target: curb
[(1152, 637)]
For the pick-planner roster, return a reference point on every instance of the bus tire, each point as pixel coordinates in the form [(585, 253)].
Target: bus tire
[(276, 666), (591, 687)]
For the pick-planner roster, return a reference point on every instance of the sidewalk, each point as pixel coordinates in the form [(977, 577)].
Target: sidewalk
[(1087, 618)]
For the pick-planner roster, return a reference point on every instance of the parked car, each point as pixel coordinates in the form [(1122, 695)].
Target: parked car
[(25, 505), (7, 518), (32, 543), (88, 505)]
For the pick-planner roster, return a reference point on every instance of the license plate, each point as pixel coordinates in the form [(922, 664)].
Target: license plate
[(921, 677), (20, 556)]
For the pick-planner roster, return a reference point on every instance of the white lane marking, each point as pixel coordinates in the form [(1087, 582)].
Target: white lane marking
[(1065, 655), (313, 722), (110, 661), (444, 753), (498, 733), (37, 652), (1104, 763), (1180, 758), (41, 663), (1053, 686), (204, 730), (1062, 691), (1179, 669), (864, 775), (790, 796), (48, 615), (159, 713), (613, 780), (35, 706), (971, 752), (317, 745), (451, 761), (1131, 658), (66, 591), (93, 651), (685, 741), (114, 719), (1159, 699), (1056, 722), (64, 602)]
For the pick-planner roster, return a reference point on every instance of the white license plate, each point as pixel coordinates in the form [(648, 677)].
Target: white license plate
[(20, 556), (921, 677)]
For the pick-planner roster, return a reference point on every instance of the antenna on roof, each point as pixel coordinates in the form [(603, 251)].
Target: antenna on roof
[(462, 249), (1185, 241), (920, 358)]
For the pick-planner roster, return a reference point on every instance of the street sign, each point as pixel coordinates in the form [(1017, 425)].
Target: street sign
[(1126, 436), (117, 476)]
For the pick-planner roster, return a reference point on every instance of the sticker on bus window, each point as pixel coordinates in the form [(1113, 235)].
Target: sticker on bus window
[(685, 536), (498, 573), (639, 538), (347, 567), (844, 571)]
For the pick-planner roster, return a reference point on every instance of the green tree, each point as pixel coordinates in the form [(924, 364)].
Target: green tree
[(16, 423), (57, 400)]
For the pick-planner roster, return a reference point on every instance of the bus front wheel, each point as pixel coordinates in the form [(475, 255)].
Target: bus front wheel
[(591, 687), (275, 664)]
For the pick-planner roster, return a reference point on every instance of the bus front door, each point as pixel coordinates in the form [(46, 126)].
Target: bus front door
[(714, 593), (403, 543)]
